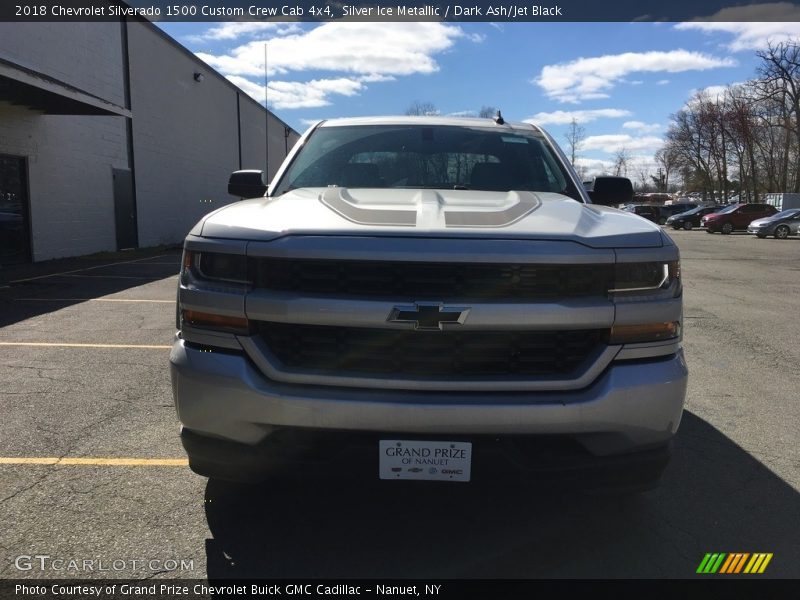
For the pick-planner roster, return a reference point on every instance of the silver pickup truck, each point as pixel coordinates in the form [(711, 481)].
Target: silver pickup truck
[(429, 298)]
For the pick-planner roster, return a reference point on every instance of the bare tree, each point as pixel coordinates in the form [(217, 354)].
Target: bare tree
[(780, 79), (621, 160), (575, 136), (667, 160), (421, 109), (487, 112), (643, 175)]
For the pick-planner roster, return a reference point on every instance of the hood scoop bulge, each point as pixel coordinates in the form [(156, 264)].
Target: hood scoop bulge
[(429, 208)]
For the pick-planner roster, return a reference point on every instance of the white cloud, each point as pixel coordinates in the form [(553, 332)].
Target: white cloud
[(641, 127), (614, 142), (594, 166), (662, 82), (753, 27), (358, 53), (233, 30), (592, 78), (564, 117), (297, 94), (360, 48), (712, 93), (636, 165)]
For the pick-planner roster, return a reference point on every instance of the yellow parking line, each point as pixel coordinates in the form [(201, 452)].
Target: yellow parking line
[(103, 462), (91, 300), (65, 345)]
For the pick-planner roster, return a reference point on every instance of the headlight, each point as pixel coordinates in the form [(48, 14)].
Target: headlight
[(641, 280), (214, 272), (216, 266)]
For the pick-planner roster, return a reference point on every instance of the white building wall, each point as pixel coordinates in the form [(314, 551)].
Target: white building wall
[(85, 55), (69, 172), (69, 158), (185, 136)]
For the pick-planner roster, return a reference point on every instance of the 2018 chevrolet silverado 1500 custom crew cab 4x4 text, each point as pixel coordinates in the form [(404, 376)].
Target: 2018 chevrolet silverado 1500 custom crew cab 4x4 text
[(429, 298)]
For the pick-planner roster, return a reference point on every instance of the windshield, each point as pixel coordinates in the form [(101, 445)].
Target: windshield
[(421, 156), (785, 214), (728, 210), (693, 211)]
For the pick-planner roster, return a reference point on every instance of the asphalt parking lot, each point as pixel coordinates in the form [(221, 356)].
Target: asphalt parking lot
[(84, 379)]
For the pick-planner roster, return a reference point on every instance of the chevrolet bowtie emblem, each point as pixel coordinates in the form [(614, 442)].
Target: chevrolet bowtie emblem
[(428, 316)]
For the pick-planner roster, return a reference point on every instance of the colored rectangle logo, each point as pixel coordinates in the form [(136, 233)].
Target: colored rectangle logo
[(734, 563)]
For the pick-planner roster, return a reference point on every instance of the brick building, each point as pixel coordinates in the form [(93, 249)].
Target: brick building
[(113, 135)]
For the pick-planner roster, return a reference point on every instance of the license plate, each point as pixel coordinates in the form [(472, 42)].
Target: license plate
[(431, 461)]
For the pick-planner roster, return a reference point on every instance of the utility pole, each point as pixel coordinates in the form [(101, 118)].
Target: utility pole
[(266, 114)]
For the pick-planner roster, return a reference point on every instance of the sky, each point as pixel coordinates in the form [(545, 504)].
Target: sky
[(621, 81)]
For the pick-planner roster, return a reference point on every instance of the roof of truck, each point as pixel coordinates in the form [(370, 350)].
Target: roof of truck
[(427, 120)]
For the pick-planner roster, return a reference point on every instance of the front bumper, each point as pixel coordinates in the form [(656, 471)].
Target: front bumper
[(632, 406), (762, 231)]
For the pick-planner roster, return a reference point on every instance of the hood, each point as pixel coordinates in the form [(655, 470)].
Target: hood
[(441, 213), (762, 221)]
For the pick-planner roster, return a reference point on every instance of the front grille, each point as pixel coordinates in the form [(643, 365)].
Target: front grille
[(436, 281), (407, 353)]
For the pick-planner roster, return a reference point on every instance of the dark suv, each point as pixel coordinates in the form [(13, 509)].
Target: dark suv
[(736, 216), (646, 211)]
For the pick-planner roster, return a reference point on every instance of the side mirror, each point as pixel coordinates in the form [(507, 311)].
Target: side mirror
[(610, 191), (247, 184)]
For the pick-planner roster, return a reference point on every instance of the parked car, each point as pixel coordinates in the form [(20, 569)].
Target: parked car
[(647, 211), (668, 210), (691, 218), (781, 225), (736, 216)]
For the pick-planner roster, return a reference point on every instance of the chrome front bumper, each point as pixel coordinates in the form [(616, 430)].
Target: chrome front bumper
[(631, 406)]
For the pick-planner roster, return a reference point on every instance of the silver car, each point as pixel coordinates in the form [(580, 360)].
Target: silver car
[(429, 298), (780, 225)]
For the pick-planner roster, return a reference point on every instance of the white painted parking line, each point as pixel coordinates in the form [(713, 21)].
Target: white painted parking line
[(92, 300), (122, 262), (70, 345)]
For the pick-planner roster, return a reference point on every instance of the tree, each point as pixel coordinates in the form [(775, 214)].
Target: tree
[(575, 136), (780, 78), (621, 160), (487, 112), (421, 109), (667, 160)]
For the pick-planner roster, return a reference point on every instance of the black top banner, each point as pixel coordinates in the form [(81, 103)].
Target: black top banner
[(402, 10)]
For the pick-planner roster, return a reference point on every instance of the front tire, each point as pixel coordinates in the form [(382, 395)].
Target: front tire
[(727, 228), (688, 225), (782, 232)]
